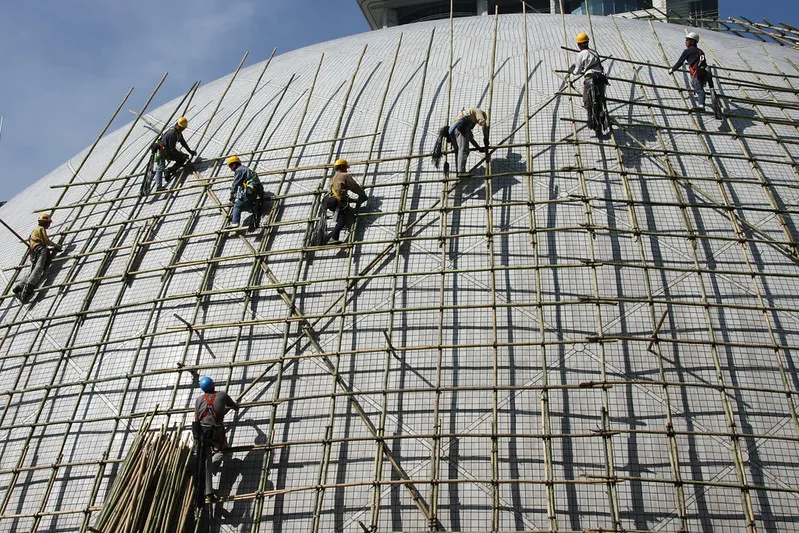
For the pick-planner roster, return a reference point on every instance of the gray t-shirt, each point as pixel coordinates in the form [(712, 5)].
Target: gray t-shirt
[(219, 401)]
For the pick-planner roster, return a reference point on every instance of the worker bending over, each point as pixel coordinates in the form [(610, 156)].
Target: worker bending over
[(246, 191), (697, 65), (338, 201), (40, 256), (462, 135), (589, 65), (209, 412), (167, 150)]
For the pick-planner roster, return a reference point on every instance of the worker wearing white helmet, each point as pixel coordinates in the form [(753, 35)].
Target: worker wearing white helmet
[(40, 256), (166, 149), (697, 65)]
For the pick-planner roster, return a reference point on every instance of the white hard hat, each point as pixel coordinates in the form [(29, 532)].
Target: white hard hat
[(693, 36)]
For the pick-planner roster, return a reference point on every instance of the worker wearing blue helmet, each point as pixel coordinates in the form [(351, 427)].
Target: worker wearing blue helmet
[(209, 411)]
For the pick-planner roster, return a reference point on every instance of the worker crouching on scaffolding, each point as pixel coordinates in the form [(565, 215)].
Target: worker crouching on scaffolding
[(167, 150), (460, 135), (338, 201), (589, 65), (41, 253), (697, 65), (246, 192), (209, 433)]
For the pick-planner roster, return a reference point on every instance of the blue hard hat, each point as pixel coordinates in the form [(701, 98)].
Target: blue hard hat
[(207, 384)]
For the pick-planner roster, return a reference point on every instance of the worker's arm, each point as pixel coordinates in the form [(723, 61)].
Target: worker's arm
[(353, 186), (680, 61), (48, 242), (238, 179), (185, 145), (230, 402), (580, 64)]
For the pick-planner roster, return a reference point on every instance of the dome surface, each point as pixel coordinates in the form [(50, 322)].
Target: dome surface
[(587, 333)]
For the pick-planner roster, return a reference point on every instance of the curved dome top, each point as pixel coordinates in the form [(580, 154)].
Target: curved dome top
[(586, 333)]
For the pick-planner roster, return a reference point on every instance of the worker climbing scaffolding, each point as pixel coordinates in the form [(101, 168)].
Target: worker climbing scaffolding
[(460, 135), (246, 193), (209, 436), (338, 201), (165, 149), (589, 66), (700, 73), (41, 252)]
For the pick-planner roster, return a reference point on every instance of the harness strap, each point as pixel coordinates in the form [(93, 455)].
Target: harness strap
[(337, 196), (209, 407)]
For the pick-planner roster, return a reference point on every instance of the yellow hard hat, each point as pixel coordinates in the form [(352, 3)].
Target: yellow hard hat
[(581, 38), (232, 159), (45, 217), (341, 163), (183, 122)]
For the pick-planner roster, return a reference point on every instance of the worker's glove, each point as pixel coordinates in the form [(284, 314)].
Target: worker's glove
[(231, 197), (571, 68), (671, 71), (193, 153), (58, 248), (361, 200)]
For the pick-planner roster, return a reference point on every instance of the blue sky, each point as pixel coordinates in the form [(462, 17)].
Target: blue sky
[(66, 64)]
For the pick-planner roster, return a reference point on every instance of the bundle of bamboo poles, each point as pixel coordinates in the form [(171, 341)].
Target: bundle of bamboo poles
[(152, 491)]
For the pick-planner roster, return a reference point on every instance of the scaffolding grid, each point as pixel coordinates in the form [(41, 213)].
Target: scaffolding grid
[(586, 334)]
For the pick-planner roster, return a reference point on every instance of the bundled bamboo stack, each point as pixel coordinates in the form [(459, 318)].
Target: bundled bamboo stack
[(152, 491)]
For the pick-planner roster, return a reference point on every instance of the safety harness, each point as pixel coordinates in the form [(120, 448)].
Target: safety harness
[(697, 68), (251, 183), (337, 196), (209, 408)]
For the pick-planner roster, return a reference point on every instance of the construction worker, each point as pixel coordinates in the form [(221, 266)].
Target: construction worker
[(697, 65), (246, 191), (40, 256), (167, 150), (338, 201), (589, 65), (461, 135), (209, 413)]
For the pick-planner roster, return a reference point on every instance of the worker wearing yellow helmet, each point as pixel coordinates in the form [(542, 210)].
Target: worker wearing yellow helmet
[(40, 255), (246, 192), (589, 65), (338, 200), (167, 150)]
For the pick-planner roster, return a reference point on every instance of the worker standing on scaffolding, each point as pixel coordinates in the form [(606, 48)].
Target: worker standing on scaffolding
[(209, 429), (246, 192), (697, 65), (338, 201), (167, 150), (589, 65), (40, 255)]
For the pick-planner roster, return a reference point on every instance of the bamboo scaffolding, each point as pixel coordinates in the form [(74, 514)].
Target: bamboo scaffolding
[(590, 237), (735, 448), (680, 502), (315, 338)]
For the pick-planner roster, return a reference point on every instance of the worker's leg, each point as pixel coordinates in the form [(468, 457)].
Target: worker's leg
[(241, 204), (334, 235), (179, 159), (160, 163), (699, 90), (463, 150), (209, 470), (587, 92), (38, 267)]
